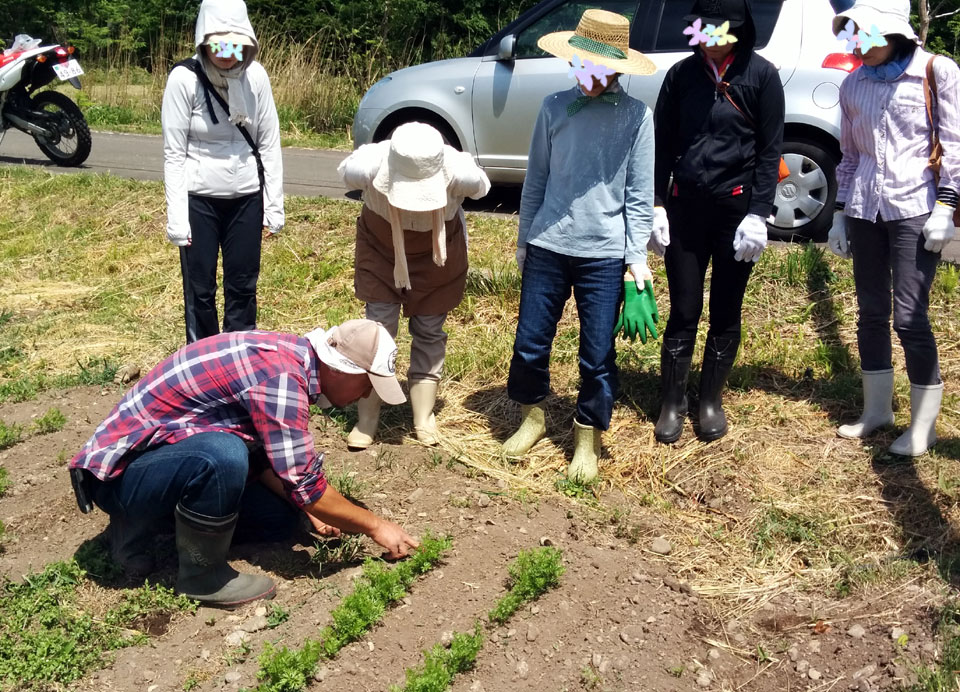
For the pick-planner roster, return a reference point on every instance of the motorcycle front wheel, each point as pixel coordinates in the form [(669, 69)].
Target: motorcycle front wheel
[(70, 145)]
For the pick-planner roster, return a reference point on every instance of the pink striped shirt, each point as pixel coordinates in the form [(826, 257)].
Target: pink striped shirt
[(885, 141)]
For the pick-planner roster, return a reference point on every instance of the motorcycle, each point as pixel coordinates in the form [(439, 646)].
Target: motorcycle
[(54, 121)]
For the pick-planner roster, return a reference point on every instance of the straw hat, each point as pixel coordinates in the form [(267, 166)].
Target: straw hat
[(413, 175), (601, 37), (889, 16)]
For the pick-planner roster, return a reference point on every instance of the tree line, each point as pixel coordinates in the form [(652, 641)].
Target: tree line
[(405, 30)]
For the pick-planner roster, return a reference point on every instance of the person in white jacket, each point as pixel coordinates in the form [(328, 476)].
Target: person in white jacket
[(222, 170)]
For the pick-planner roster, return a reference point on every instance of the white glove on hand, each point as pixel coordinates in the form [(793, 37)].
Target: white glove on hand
[(660, 237), (939, 229), (640, 273), (521, 256), (178, 236), (837, 238), (750, 238)]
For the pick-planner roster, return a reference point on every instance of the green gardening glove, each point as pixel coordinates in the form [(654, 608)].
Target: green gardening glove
[(639, 314)]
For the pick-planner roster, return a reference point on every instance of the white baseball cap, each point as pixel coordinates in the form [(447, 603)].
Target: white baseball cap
[(361, 346)]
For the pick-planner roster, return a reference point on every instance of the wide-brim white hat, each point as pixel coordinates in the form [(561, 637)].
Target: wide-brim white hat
[(603, 38), (888, 16), (414, 175)]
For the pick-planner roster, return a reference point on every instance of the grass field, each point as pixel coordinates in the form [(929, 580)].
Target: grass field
[(780, 504)]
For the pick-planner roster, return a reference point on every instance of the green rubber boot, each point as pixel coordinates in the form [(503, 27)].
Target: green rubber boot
[(204, 574), (533, 427), (586, 454)]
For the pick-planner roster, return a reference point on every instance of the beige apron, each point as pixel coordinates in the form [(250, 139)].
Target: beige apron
[(435, 290)]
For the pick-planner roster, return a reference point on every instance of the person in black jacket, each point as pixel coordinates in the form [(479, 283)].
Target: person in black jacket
[(719, 131)]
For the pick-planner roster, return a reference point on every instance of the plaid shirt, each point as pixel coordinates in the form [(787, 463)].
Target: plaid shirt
[(256, 385)]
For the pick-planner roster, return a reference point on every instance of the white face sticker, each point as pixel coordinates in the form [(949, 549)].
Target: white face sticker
[(861, 39), (709, 35), (221, 49), (585, 72)]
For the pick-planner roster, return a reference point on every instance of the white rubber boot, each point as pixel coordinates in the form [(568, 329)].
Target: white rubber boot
[(586, 453), (922, 433), (368, 420), (423, 397), (877, 405), (533, 426)]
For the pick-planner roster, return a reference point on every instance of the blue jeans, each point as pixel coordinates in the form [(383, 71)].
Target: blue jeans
[(207, 473), (598, 289)]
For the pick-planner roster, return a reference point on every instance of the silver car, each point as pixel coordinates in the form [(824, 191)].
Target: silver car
[(487, 103)]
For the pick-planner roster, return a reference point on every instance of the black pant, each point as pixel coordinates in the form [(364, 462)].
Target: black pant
[(235, 226), (701, 230)]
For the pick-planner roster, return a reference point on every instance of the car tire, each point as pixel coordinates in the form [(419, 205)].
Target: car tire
[(803, 207)]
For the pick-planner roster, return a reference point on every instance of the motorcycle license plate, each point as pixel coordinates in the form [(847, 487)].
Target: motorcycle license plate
[(68, 70)]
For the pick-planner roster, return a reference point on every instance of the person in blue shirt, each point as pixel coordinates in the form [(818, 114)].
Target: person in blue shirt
[(586, 211)]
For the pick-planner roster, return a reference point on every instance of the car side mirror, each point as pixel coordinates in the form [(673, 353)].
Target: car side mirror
[(508, 46)]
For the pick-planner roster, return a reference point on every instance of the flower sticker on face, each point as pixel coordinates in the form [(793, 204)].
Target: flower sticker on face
[(861, 39), (585, 72), (222, 49), (709, 35)]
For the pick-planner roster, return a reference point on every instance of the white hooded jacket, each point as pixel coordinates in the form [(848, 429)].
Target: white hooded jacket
[(214, 160)]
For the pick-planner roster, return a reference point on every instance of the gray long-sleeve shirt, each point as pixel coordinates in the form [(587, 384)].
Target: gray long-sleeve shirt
[(589, 185)]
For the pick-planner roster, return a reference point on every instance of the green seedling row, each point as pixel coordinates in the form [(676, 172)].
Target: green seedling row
[(533, 573), (285, 670)]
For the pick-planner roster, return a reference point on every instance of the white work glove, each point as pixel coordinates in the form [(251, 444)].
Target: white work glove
[(837, 237), (750, 238), (178, 236), (939, 229), (640, 273), (660, 237), (521, 256)]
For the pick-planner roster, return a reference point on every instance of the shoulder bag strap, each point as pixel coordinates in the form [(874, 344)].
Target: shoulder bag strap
[(194, 66), (929, 97)]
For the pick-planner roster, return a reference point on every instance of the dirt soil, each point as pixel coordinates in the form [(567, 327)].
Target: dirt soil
[(619, 621)]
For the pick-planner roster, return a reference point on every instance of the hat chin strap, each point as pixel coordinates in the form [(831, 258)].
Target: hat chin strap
[(401, 272), (439, 238)]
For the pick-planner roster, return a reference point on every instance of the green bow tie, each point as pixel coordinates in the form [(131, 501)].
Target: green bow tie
[(581, 101)]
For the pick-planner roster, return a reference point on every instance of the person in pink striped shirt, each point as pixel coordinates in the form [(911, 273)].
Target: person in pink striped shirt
[(893, 215)]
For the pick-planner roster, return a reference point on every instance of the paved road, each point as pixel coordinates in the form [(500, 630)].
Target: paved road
[(309, 172), (305, 171)]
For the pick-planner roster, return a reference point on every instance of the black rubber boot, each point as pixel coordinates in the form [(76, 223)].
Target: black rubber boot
[(718, 356), (204, 575), (131, 545), (675, 357)]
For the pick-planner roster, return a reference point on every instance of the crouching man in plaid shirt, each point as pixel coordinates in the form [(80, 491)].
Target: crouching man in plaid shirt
[(217, 436)]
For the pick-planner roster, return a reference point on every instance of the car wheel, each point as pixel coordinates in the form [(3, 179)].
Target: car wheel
[(803, 207)]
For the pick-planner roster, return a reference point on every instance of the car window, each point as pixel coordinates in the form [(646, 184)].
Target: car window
[(670, 37), (565, 18)]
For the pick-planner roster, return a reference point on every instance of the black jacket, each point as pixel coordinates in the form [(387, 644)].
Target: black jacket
[(706, 143)]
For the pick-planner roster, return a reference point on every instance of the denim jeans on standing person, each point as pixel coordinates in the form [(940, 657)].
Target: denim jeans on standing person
[(597, 285), (885, 254), (206, 472)]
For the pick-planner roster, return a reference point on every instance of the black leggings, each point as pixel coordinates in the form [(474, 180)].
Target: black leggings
[(233, 225), (701, 230)]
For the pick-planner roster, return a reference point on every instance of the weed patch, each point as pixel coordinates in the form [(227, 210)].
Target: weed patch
[(50, 422), (943, 676), (10, 435), (4, 481)]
